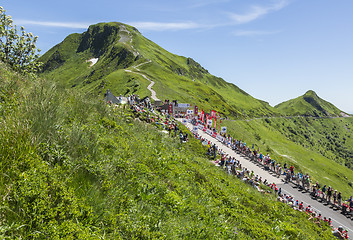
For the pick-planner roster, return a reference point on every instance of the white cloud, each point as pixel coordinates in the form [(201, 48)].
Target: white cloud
[(76, 25), (253, 33), (257, 12), (151, 26), (254, 13), (163, 26), (204, 3)]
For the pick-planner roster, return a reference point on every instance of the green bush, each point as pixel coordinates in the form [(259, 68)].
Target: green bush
[(17, 50)]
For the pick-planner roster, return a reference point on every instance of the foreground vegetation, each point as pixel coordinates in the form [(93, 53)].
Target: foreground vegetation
[(73, 168)]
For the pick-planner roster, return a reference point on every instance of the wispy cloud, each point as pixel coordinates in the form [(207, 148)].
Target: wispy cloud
[(246, 33), (204, 3), (163, 26), (76, 25), (257, 11), (151, 26)]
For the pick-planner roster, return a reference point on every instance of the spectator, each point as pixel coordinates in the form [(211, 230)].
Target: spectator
[(339, 198), (181, 136), (338, 232)]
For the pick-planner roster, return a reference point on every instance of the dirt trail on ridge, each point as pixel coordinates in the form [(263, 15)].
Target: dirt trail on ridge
[(126, 37), (149, 87)]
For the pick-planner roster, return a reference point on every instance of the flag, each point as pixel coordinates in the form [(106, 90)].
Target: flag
[(215, 123), (220, 125), (196, 110), (170, 110), (213, 114)]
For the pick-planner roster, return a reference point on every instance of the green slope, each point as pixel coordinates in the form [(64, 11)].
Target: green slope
[(74, 168), (120, 47), (330, 137), (310, 104)]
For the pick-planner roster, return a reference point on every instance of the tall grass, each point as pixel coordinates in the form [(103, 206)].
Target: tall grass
[(73, 168)]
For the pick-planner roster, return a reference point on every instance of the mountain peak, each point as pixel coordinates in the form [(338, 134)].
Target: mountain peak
[(124, 59), (310, 104), (310, 93), (99, 37)]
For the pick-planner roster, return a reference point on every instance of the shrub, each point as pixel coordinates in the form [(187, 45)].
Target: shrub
[(17, 49)]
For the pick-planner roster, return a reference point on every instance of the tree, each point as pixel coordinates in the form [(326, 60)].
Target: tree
[(17, 49)]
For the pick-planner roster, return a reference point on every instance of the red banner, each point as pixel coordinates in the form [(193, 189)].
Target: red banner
[(214, 134), (215, 123), (170, 110), (213, 114), (196, 111)]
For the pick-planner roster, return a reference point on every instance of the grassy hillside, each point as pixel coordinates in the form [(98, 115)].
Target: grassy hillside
[(310, 104), (73, 168), (119, 47), (69, 59), (320, 147), (331, 137)]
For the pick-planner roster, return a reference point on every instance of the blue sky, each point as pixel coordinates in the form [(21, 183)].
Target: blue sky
[(273, 49)]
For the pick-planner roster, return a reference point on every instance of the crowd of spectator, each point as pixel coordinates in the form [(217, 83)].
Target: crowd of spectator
[(234, 167)]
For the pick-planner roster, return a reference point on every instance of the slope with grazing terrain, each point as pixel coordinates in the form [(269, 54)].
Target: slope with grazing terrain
[(118, 47), (317, 125), (73, 168), (310, 104), (330, 137)]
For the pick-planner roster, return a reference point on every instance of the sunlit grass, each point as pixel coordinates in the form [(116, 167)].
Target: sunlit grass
[(94, 172)]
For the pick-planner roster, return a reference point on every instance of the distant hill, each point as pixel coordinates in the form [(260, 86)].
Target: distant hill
[(119, 47), (310, 104)]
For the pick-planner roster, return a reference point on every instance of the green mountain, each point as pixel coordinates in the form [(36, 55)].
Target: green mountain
[(123, 55), (310, 104)]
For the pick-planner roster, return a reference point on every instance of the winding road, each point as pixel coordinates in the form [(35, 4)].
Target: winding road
[(288, 188)]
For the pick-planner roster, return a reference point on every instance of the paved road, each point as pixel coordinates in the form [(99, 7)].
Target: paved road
[(337, 218), (290, 117)]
